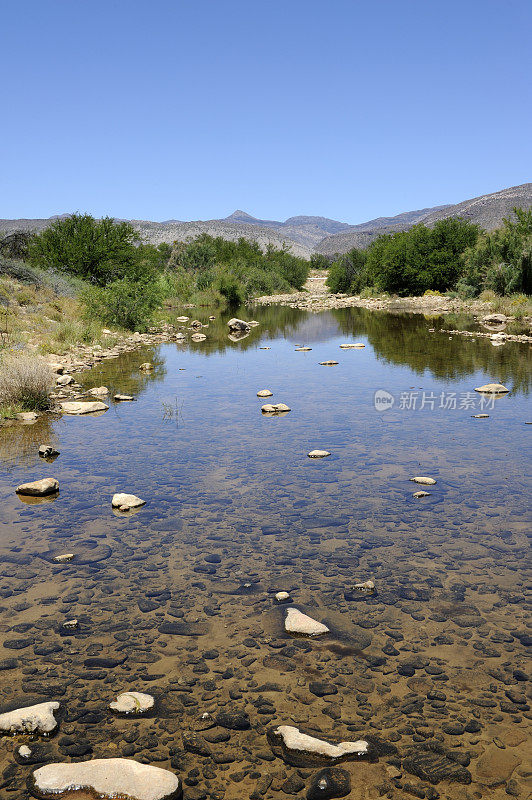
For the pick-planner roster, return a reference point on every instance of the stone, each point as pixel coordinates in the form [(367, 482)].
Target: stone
[(124, 502), (329, 783), (298, 623), (423, 481), (132, 703), (480, 416), (83, 407), (99, 391), (195, 324), (421, 494), (318, 454), (434, 763), (63, 557), (282, 597), (352, 346), (182, 319), (495, 766), (105, 778), (264, 393), (303, 349), (147, 366), (24, 751), (276, 408), (367, 587), (495, 319), (328, 363), (47, 451), (299, 749), (492, 388), (39, 488), (32, 719), (198, 337), (27, 416), (235, 324), (123, 398), (71, 624), (64, 380)]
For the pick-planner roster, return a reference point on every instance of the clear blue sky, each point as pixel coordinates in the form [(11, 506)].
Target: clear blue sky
[(188, 110)]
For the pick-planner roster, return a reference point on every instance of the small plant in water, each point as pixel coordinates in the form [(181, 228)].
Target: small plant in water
[(172, 411)]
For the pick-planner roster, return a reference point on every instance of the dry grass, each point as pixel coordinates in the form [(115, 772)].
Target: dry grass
[(25, 382)]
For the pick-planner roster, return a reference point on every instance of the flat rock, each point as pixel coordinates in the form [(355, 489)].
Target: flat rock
[(275, 408), (353, 346), (495, 766), (318, 454), (123, 398), (300, 750), (132, 703), (421, 494), (47, 451), (480, 416), (32, 719), (299, 623), (27, 416), (436, 764), (329, 363), (99, 391), (77, 408), (492, 388), (124, 501), (303, 349), (423, 481), (105, 778), (39, 488), (264, 393)]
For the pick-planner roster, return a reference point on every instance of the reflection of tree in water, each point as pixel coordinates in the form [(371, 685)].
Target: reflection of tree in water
[(404, 339), (123, 375), (19, 443)]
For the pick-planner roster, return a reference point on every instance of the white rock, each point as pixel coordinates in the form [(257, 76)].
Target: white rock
[(32, 719), (318, 454), (253, 323), (132, 703), (264, 393), (39, 488), (24, 751), (83, 407), (198, 337), (480, 416), (61, 559), (182, 319), (64, 380), (366, 586), (107, 778), (352, 346), (303, 349), (421, 494), (297, 622), (295, 741), (99, 391), (123, 398), (71, 624), (330, 363), (273, 408), (492, 388), (238, 325), (27, 416), (126, 501), (282, 597), (424, 481)]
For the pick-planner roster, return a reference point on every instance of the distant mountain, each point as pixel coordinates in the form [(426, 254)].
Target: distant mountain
[(305, 235), (488, 211)]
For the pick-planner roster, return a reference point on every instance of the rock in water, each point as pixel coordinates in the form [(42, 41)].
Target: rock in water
[(47, 451), (39, 488), (303, 349), (352, 346), (124, 502), (328, 363), (492, 388), (301, 750), (421, 494), (146, 367), (367, 587), (99, 391), (480, 416), (318, 454), (132, 703), (63, 557), (264, 393), (276, 408), (32, 719), (123, 398), (328, 783), (238, 325), (282, 597), (77, 408), (424, 481), (105, 778), (299, 623)]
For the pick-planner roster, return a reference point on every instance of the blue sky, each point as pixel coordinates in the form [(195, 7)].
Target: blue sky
[(188, 110)]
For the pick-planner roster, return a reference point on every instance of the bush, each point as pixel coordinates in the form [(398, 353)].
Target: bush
[(25, 381), (15, 245), (99, 251), (347, 274), (124, 303)]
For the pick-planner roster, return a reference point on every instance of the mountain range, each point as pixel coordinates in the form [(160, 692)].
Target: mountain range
[(306, 234)]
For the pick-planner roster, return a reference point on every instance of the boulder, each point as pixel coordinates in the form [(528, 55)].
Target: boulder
[(47, 451), (64, 380), (39, 488), (124, 502), (264, 393), (27, 416), (492, 388), (198, 337), (235, 324), (275, 408), (99, 391), (298, 623), (318, 454), (132, 703), (105, 778), (424, 481), (301, 750), (367, 587), (32, 719), (83, 407), (282, 597), (495, 319), (480, 416)]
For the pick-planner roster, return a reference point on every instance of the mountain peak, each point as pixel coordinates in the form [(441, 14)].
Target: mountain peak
[(241, 216)]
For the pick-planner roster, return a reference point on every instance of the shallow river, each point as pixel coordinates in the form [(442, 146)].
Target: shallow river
[(178, 598)]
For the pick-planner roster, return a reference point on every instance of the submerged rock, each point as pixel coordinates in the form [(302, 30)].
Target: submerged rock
[(423, 481), (492, 388), (132, 703), (76, 407), (329, 783), (124, 502), (318, 454), (32, 719), (39, 488), (301, 750), (299, 623), (105, 778)]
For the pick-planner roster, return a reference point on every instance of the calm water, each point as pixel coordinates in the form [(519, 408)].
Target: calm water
[(432, 668)]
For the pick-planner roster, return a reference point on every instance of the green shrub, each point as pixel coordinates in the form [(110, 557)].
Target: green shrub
[(124, 303), (347, 275)]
